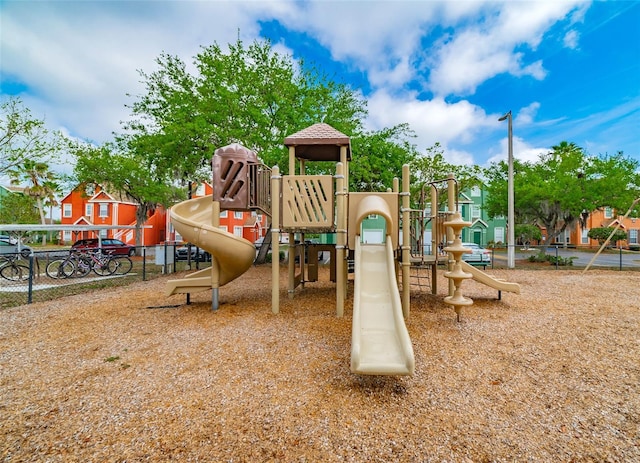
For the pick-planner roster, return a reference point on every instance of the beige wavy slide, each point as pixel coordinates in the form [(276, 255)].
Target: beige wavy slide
[(234, 255), (380, 343), (490, 281)]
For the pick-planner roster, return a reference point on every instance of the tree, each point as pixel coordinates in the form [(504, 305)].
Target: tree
[(526, 233), (18, 208), (250, 95), (378, 157), (601, 234), (563, 185), (432, 167), (24, 138), (128, 174), (42, 185)]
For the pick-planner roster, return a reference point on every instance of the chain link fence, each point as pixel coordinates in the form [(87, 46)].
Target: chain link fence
[(24, 280), (565, 257)]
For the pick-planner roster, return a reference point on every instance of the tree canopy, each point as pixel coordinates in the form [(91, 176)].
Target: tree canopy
[(18, 208), (563, 185), (432, 167), (24, 138), (127, 174), (249, 95)]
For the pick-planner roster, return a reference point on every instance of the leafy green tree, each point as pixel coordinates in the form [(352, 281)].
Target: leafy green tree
[(24, 138), (563, 185), (432, 167), (601, 234), (378, 157), (526, 233), (129, 175), (18, 208), (250, 95)]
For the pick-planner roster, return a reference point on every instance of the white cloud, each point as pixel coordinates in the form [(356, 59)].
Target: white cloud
[(522, 151), (486, 48), (571, 39), (433, 121), (527, 114), (79, 64)]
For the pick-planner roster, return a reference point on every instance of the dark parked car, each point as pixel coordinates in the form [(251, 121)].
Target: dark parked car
[(182, 253), (7, 247), (110, 245)]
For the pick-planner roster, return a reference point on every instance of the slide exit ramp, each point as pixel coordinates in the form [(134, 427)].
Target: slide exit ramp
[(233, 254), (380, 341)]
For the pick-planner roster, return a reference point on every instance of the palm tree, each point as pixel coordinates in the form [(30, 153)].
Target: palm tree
[(42, 184)]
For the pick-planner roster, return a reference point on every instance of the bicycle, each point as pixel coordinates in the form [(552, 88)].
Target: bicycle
[(120, 265), (11, 270), (61, 268), (95, 260)]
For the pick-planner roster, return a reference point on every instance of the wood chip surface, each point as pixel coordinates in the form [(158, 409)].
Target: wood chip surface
[(550, 375)]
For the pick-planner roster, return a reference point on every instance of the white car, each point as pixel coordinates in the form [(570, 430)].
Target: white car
[(478, 254), (7, 247)]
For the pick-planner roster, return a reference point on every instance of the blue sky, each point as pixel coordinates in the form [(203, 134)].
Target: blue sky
[(568, 70)]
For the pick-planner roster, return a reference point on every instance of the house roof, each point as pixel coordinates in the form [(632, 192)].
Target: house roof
[(319, 142), (480, 222), (13, 188), (101, 196), (251, 221)]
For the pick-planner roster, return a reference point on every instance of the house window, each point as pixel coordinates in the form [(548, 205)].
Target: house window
[(633, 236), (223, 214), (66, 236), (200, 191), (88, 209), (104, 210), (103, 233), (475, 211), (585, 236), (475, 191), (238, 214), (608, 213), (66, 210), (224, 228), (237, 231)]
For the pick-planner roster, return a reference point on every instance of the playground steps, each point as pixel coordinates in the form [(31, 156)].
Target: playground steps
[(192, 283)]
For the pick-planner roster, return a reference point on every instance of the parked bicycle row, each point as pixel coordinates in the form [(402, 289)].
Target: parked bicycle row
[(79, 264)]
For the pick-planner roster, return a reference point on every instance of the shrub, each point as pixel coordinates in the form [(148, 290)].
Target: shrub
[(541, 256), (601, 234), (566, 261)]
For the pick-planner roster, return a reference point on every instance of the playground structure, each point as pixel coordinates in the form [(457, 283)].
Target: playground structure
[(300, 204)]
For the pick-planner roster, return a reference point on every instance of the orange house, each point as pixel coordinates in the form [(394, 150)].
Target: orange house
[(89, 204), (250, 225), (606, 217)]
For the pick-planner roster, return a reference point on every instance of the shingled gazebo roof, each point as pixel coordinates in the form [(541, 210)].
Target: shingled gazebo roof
[(319, 142)]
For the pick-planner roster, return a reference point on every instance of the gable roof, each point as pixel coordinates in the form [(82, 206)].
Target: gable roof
[(480, 222)]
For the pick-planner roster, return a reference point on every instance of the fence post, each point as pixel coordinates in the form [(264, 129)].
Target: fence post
[(556, 257), (164, 265), (620, 247), (144, 263), (31, 277)]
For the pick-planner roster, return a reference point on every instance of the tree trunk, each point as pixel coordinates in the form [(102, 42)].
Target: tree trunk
[(42, 218)]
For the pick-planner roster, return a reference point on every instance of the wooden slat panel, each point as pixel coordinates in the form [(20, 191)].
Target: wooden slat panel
[(307, 201)]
